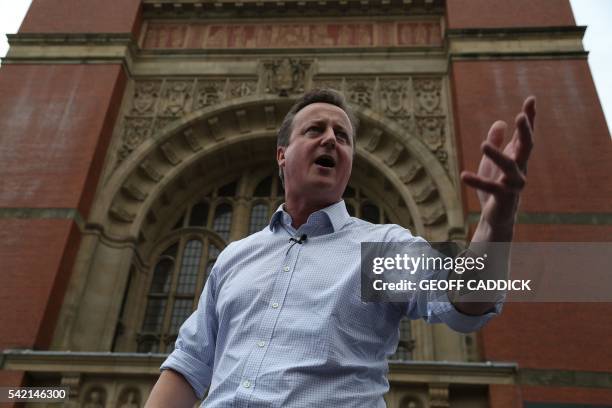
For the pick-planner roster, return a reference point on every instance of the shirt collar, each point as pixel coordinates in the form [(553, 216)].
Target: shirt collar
[(337, 216)]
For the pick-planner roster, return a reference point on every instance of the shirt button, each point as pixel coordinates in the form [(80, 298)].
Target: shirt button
[(286, 269), (261, 343), (275, 305), (246, 384)]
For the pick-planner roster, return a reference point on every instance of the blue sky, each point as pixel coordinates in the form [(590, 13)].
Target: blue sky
[(596, 14)]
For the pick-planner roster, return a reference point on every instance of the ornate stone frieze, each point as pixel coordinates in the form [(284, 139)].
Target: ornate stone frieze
[(355, 32), (416, 103)]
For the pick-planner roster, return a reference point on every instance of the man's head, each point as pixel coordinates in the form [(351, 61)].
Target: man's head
[(315, 146)]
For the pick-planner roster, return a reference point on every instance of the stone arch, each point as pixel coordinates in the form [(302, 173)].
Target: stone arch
[(406, 165), (243, 130)]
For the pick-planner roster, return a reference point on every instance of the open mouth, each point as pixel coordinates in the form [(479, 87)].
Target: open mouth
[(326, 160)]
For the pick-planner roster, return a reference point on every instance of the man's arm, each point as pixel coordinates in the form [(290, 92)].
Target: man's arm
[(171, 390), (500, 179)]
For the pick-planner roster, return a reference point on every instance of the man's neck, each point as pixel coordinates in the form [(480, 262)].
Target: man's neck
[(300, 210)]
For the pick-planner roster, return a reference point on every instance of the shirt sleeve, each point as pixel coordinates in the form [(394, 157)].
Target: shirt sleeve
[(434, 306), (439, 309), (194, 353)]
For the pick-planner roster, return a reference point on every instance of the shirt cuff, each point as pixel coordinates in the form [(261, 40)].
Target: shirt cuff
[(446, 312), (188, 366)]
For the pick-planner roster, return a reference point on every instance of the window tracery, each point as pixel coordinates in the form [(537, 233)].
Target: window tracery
[(181, 269)]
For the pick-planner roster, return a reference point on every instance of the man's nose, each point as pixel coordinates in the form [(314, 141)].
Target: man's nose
[(329, 138)]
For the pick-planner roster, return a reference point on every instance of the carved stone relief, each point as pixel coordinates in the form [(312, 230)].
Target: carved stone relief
[(209, 93), (415, 103), (129, 398), (361, 92), (285, 76), (176, 96), (135, 131), (157, 103), (95, 398), (145, 97), (303, 34)]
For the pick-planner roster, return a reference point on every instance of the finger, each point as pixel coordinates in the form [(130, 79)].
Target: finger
[(525, 142), (529, 107), (497, 133), (504, 162), (479, 183)]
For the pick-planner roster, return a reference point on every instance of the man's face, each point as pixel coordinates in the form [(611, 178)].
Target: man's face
[(317, 162)]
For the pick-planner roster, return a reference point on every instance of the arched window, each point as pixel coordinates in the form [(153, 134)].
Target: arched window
[(199, 215), (259, 217), (222, 221), (179, 272), (178, 277)]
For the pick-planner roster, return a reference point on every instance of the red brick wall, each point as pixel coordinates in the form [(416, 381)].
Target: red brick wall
[(508, 13), (595, 396), (36, 260), (82, 16), (572, 149), (57, 122)]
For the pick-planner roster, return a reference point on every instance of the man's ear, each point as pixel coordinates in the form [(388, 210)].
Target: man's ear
[(280, 156)]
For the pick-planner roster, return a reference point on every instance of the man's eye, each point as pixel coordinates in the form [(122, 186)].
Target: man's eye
[(342, 136), (314, 129)]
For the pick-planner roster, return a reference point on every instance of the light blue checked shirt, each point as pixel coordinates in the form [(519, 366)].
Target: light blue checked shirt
[(282, 324)]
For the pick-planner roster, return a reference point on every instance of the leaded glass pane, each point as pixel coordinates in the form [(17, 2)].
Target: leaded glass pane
[(161, 276), (180, 312), (188, 275), (259, 218), (222, 222), (154, 316)]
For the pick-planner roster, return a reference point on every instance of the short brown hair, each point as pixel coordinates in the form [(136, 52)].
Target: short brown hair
[(315, 96)]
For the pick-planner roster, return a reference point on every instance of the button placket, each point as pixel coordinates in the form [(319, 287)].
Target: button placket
[(255, 360)]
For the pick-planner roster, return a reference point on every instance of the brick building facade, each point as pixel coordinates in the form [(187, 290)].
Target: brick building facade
[(138, 140)]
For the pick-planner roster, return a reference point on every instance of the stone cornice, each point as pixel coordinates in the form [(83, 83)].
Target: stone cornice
[(284, 8), (77, 48), (81, 362), (420, 372), (539, 42), (452, 372)]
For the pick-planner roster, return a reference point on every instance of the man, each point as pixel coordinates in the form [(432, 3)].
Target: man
[(280, 322)]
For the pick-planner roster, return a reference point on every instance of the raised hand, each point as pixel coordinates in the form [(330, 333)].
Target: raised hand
[(502, 173)]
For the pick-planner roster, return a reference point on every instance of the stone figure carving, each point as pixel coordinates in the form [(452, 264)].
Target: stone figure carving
[(286, 76), (135, 132), (145, 96), (95, 399), (361, 93), (394, 98), (176, 95), (208, 93), (428, 96), (130, 399)]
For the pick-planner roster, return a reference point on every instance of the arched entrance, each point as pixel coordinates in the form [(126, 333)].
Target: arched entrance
[(210, 166)]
